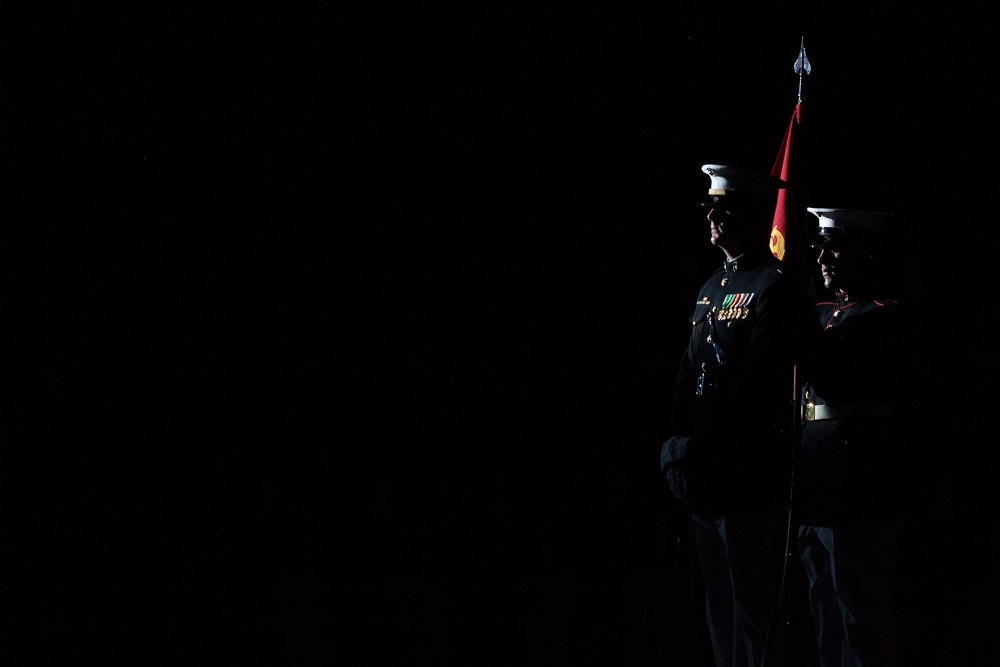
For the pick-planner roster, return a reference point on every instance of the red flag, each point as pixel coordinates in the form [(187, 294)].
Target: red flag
[(784, 231)]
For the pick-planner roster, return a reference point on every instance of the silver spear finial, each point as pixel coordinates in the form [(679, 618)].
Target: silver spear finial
[(802, 66)]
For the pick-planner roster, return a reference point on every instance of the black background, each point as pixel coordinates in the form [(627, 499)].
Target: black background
[(343, 335)]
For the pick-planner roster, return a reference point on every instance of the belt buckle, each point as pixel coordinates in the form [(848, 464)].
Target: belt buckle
[(810, 413)]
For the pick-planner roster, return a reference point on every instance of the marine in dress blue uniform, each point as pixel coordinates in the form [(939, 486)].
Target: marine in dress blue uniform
[(728, 460), (853, 482)]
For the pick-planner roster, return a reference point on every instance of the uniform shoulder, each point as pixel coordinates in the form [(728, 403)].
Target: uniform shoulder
[(777, 272), (715, 275), (773, 266)]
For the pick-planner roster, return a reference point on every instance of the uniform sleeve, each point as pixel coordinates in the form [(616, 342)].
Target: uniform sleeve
[(683, 396)]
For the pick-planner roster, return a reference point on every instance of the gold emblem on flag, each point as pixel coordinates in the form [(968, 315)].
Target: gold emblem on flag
[(777, 243)]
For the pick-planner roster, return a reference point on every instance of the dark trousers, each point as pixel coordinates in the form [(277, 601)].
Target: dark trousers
[(852, 572), (741, 557)]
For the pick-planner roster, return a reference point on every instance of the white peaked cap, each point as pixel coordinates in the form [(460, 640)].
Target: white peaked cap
[(847, 218), (727, 180)]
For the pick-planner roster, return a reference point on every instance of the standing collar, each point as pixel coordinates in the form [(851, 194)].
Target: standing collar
[(745, 262)]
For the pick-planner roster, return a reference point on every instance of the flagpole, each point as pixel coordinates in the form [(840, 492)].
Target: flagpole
[(802, 67)]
